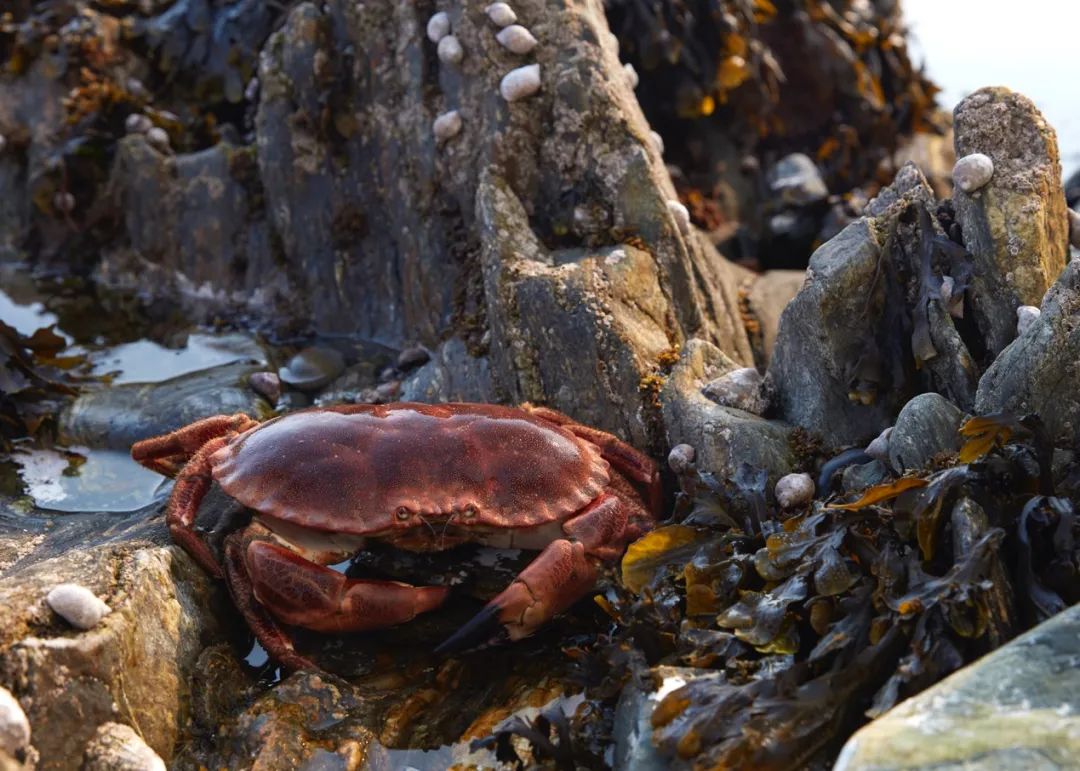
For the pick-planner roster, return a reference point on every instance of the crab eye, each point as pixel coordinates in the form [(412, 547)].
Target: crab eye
[(402, 513), (470, 512)]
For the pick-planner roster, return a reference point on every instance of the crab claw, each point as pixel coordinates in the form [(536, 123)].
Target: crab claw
[(561, 575)]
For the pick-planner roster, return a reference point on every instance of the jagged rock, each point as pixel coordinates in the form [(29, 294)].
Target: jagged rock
[(126, 669), (1017, 225), (1017, 708), (928, 425), (451, 375), (846, 350), (723, 437), (1037, 373)]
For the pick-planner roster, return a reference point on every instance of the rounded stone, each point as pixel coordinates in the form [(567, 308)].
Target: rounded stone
[(516, 39), (158, 138), (447, 125), (501, 14), (520, 83), (972, 172), (266, 384), (77, 605), (450, 50), (1026, 315), (740, 388), (117, 747), (14, 727), (681, 458), (681, 215), (879, 448), (312, 368), (438, 26), (927, 426), (794, 490)]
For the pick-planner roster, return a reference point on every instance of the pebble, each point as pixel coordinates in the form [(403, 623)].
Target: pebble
[(450, 50), (14, 727), (312, 368), (794, 490), (501, 14), (516, 39), (64, 202), (879, 448), (77, 605), (137, 123), (446, 125), (520, 83), (266, 384), (631, 75), (681, 458), (411, 357), (158, 138), (1074, 223), (972, 172), (1026, 315), (117, 747), (438, 26), (740, 388), (681, 215)]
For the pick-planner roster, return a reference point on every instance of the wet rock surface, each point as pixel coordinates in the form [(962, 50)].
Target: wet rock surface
[(925, 428)]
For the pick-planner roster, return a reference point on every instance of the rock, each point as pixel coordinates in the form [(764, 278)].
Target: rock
[(158, 139), (266, 384), (767, 296), (1026, 315), (412, 357), (861, 476), (879, 448), (135, 667), (972, 172), (793, 490), (116, 747), (740, 388), (14, 727), (927, 426), (451, 375), (681, 459), (137, 123), (312, 368), (1038, 371), (723, 438), (1017, 225), (1017, 708), (119, 416), (520, 83), (516, 39), (632, 731), (796, 180), (79, 606)]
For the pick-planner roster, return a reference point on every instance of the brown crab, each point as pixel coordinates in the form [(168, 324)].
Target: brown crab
[(321, 482)]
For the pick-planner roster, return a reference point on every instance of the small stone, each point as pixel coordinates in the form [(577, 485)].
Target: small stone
[(77, 605), (137, 123), (796, 180), (631, 75), (858, 477), (501, 14), (116, 747), (879, 448), (64, 202), (386, 392), (681, 215), (14, 727), (516, 39), (446, 125), (681, 458), (438, 26), (658, 142), (411, 357), (1026, 315), (972, 172), (1074, 222), (740, 388), (520, 83), (158, 138), (926, 427), (312, 368), (450, 50), (266, 384), (794, 490)]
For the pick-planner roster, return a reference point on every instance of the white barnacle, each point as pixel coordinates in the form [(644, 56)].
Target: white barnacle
[(1026, 315), (446, 125), (631, 75), (438, 26), (450, 50), (972, 172), (501, 14), (681, 215), (658, 142), (517, 39), (77, 605), (520, 83)]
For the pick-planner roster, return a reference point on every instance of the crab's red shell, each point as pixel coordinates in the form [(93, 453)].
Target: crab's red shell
[(423, 477)]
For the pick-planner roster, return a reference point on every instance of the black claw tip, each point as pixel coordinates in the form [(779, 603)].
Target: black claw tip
[(481, 628)]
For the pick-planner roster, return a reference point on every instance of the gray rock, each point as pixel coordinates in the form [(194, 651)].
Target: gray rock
[(450, 375), (119, 416), (1017, 708), (723, 438), (796, 180), (861, 476), (632, 731), (1017, 225), (116, 747), (312, 368), (926, 426), (740, 388), (1038, 372)]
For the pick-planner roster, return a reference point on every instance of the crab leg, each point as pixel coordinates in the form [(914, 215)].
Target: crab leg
[(167, 454), (561, 575)]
